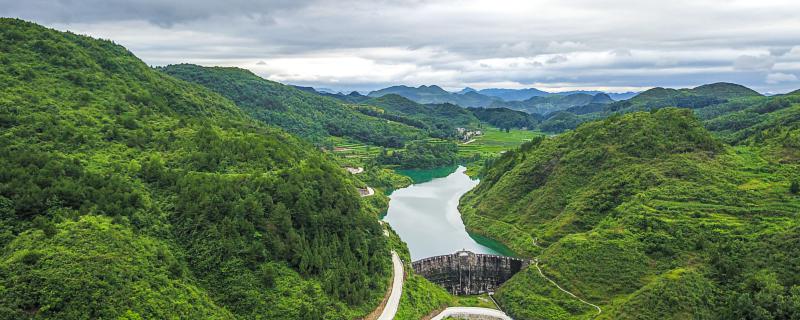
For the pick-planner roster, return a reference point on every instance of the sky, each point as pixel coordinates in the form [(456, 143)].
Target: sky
[(556, 45)]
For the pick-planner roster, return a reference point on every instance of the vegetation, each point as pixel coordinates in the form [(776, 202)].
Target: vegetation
[(548, 104), (126, 193), (438, 120), (422, 154), (711, 100), (307, 115), (650, 216), (435, 94), (505, 118)]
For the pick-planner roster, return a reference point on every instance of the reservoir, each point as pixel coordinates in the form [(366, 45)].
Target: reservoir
[(426, 216)]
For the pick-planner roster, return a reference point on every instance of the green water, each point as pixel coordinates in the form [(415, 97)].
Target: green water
[(426, 216)]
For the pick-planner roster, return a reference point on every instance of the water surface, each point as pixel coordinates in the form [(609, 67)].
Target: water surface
[(426, 216)]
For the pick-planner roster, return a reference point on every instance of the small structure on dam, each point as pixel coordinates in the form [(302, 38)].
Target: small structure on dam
[(466, 272)]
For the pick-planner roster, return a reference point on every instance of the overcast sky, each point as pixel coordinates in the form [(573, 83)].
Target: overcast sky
[(553, 45)]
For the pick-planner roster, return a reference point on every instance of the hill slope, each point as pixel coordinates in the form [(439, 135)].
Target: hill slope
[(435, 94), (694, 98), (440, 120), (552, 103), (647, 215), (305, 114), (127, 194)]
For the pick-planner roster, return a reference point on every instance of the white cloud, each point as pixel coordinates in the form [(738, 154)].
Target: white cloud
[(774, 78), (748, 62), (350, 44)]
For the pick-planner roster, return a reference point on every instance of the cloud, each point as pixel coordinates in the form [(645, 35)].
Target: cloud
[(748, 62), (557, 59), (621, 53), (162, 13), (349, 44), (774, 78)]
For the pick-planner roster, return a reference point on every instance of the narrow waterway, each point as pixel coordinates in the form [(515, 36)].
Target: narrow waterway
[(426, 216)]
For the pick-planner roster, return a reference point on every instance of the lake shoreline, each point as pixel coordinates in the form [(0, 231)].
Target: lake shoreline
[(425, 214)]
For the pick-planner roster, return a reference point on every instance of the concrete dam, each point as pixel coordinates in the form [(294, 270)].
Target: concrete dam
[(465, 272)]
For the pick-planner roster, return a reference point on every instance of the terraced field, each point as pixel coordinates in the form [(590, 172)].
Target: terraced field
[(494, 141)]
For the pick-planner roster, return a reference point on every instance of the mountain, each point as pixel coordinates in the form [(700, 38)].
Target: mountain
[(352, 97), (513, 94), (621, 96), (649, 216), (613, 96), (505, 118), (301, 112), (128, 194), (435, 94), (525, 94), (769, 121), (439, 120), (709, 100), (547, 104), (466, 90), (694, 98), (518, 99)]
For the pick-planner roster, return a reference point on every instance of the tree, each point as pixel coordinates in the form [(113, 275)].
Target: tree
[(795, 187)]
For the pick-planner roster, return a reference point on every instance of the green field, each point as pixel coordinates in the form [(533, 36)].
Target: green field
[(494, 141)]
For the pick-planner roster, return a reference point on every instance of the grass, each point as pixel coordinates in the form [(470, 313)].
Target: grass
[(494, 141), (481, 300)]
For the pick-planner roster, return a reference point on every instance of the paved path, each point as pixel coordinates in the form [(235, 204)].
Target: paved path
[(366, 192), (397, 289), (354, 170), (536, 263), (461, 311)]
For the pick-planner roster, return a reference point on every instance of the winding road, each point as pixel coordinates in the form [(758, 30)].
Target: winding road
[(463, 311), (397, 289)]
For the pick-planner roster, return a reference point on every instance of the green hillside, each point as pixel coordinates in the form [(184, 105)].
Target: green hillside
[(435, 94), (305, 114), (505, 118), (438, 120), (710, 100), (649, 216), (128, 194), (694, 98), (547, 104)]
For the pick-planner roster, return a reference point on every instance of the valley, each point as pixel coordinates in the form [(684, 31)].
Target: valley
[(184, 191)]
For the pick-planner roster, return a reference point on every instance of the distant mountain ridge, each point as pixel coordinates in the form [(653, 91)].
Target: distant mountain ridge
[(548, 104), (471, 98), (435, 94)]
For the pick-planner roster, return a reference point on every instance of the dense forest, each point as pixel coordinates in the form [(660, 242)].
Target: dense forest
[(128, 194), (505, 118), (710, 100), (651, 216), (307, 115), (439, 120), (421, 154)]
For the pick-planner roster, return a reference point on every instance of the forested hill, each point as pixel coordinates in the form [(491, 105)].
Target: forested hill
[(548, 104), (435, 94), (694, 98), (128, 194), (440, 120), (709, 101), (305, 114), (651, 217)]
